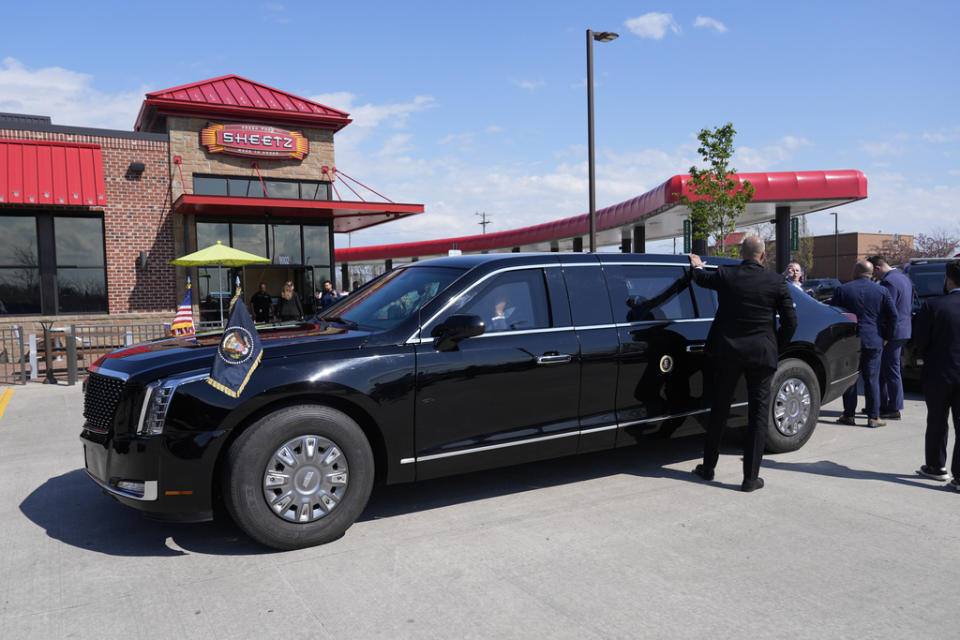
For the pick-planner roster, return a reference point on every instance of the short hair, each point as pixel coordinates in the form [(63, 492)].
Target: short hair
[(878, 261), (863, 267), (752, 247), (953, 271), (794, 262)]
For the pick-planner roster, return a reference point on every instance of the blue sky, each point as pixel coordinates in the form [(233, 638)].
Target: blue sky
[(470, 107)]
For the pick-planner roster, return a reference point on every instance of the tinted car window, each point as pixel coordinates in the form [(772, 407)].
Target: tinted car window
[(646, 292), (511, 301), (589, 301), (928, 278), (394, 297), (706, 301)]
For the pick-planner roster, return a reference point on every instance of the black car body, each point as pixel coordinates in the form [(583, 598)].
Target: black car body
[(440, 367), (927, 276), (821, 289)]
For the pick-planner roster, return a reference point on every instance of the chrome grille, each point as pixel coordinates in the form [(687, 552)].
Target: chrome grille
[(100, 401)]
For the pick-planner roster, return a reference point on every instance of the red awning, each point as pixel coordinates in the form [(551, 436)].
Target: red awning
[(51, 173), (346, 216)]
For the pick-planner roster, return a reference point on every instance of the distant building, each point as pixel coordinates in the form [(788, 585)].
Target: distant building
[(834, 257)]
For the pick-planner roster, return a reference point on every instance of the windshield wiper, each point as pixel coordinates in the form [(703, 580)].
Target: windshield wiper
[(350, 324)]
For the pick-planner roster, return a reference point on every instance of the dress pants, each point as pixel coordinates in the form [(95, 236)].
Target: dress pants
[(941, 397), (725, 378), (870, 374), (891, 384)]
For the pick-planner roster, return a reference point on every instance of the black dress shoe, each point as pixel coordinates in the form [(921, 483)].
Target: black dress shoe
[(848, 420), (890, 415), (751, 485), (703, 472)]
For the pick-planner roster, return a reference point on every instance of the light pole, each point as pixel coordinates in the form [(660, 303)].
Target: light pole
[(836, 246), (599, 36)]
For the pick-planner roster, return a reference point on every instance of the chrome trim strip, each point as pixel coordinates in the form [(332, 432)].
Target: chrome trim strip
[(567, 434), (143, 408), (596, 326), (622, 325), (855, 373), (150, 489), (609, 427)]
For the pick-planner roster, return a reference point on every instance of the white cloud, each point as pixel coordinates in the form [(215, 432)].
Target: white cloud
[(68, 97), (371, 115), (711, 23), (943, 135), (530, 85), (653, 25), (770, 156), (881, 148)]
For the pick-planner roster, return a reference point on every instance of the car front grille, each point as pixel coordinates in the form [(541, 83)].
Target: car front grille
[(101, 400)]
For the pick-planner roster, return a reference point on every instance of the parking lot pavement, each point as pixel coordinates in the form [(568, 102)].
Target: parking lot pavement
[(845, 541)]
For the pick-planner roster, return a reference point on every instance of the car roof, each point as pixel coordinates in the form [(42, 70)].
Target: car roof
[(473, 260)]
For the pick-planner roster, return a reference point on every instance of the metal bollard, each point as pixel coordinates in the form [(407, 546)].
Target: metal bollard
[(34, 367), (47, 353), (71, 359)]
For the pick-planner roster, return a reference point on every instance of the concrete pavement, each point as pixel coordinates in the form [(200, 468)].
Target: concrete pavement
[(844, 541)]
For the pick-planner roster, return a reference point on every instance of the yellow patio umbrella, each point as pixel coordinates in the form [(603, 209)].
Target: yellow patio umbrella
[(221, 256)]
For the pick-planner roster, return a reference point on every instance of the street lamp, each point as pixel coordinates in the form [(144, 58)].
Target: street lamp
[(599, 36), (836, 246)]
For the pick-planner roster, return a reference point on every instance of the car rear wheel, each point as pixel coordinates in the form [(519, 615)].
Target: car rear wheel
[(794, 406), (298, 477)]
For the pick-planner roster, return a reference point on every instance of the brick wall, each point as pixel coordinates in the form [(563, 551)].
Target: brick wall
[(137, 218)]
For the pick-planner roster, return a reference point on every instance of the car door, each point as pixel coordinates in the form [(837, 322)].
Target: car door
[(661, 360), (507, 396)]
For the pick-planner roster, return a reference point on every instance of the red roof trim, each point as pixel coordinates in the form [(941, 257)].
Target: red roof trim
[(236, 96), (37, 172), (349, 216), (847, 184)]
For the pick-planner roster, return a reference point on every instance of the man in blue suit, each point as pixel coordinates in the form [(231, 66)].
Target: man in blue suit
[(876, 317), (898, 284), (938, 342)]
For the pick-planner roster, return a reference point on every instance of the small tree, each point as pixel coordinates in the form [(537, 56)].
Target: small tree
[(718, 199), (939, 244)]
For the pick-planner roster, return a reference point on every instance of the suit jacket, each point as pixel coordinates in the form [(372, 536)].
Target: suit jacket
[(873, 307), (900, 288), (937, 338), (745, 326)]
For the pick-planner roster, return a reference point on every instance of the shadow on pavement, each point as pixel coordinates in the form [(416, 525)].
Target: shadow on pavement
[(71, 509), (832, 469), (74, 510)]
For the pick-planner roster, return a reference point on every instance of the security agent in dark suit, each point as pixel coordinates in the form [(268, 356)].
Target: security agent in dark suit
[(937, 339), (744, 340), (898, 285), (877, 318)]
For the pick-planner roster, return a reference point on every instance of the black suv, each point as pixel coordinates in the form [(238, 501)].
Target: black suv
[(927, 275), (439, 367), (821, 289)]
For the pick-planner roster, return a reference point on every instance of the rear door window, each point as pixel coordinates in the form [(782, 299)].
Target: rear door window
[(648, 292)]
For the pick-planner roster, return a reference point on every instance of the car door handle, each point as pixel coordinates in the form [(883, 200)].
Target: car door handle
[(696, 348), (555, 358)]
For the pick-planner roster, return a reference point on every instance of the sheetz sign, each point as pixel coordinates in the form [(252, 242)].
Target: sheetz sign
[(251, 140)]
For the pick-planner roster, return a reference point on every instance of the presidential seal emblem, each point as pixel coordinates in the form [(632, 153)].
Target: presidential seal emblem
[(236, 347), (666, 364)]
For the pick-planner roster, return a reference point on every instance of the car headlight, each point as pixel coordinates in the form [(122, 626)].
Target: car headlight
[(156, 402)]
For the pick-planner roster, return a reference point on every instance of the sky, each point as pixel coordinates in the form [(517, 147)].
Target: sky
[(481, 107)]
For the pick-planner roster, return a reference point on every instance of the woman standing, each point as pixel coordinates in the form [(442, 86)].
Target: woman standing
[(289, 307)]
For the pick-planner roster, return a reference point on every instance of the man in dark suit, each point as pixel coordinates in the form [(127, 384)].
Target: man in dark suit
[(937, 339), (876, 317), (898, 285), (744, 340)]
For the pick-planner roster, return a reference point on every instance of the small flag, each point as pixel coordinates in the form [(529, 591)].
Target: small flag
[(183, 322), (238, 354)]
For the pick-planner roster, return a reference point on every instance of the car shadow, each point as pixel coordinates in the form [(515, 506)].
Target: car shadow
[(73, 510)]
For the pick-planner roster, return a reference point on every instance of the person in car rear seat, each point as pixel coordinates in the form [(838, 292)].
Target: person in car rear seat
[(742, 341)]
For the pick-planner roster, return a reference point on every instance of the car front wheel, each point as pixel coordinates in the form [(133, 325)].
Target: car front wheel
[(794, 406), (298, 477)]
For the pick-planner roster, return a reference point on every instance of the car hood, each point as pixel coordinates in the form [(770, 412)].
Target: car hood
[(168, 356)]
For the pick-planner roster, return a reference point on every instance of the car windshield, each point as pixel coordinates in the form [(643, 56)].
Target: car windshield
[(928, 279), (393, 298)]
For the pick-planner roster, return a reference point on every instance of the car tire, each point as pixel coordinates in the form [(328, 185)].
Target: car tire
[(794, 406), (298, 477)]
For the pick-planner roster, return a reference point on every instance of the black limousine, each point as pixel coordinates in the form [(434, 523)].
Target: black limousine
[(439, 367)]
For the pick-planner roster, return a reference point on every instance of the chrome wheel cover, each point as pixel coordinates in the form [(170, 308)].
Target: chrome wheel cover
[(305, 479), (791, 407)]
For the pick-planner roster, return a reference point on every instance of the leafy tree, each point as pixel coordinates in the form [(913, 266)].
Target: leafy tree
[(718, 199)]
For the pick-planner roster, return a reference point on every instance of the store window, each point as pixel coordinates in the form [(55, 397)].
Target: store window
[(282, 242), (252, 187), (52, 264)]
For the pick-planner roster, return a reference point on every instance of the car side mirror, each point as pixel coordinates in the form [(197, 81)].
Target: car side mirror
[(454, 329)]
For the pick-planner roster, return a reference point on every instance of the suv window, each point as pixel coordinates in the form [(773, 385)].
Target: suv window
[(511, 301), (647, 292), (706, 300)]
